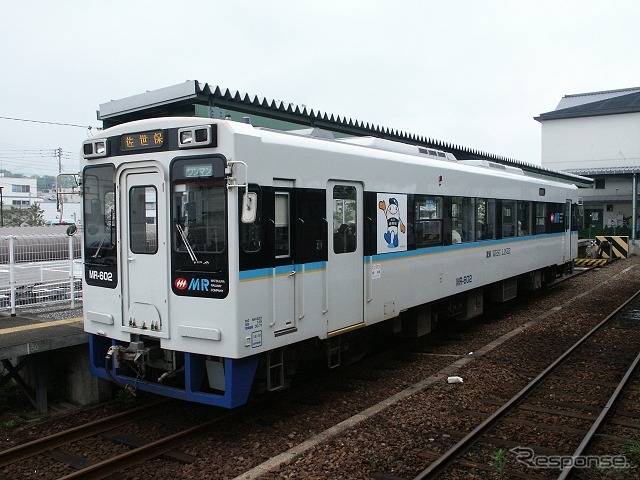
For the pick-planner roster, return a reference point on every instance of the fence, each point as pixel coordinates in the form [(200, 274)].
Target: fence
[(38, 267)]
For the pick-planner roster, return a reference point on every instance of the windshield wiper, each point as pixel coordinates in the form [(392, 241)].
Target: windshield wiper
[(190, 251), (104, 238)]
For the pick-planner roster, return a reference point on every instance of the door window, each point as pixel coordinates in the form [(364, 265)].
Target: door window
[(143, 215), (282, 231), (345, 218)]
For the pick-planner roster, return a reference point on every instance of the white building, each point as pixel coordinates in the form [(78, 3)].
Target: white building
[(597, 135), (18, 192)]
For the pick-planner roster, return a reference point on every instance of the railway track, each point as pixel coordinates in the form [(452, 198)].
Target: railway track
[(41, 445), (110, 428), (321, 395), (142, 453), (137, 450), (557, 401)]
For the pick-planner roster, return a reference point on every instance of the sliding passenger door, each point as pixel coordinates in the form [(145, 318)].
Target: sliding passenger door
[(567, 232), (284, 275), (345, 266), (144, 284)]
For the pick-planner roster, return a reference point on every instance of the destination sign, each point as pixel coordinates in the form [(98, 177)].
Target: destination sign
[(205, 170), (142, 140)]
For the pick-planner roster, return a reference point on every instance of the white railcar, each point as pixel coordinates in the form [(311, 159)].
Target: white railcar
[(211, 245)]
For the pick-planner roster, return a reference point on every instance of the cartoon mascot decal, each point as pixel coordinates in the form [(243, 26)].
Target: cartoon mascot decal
[(392, 213)]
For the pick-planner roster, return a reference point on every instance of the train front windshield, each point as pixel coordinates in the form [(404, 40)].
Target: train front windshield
[(199, 217), (100, 232), (199, 254)]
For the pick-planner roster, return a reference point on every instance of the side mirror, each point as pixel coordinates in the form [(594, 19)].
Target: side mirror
[(249, 207)]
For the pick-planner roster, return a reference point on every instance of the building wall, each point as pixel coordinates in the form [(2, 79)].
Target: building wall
[(18, 192), (606, 142), (591, 142)]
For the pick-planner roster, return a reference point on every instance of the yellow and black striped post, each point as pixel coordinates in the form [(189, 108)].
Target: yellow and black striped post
[(613, 246)]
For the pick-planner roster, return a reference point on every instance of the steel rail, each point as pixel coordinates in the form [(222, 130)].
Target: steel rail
[(146, 452), (439, 465), (36, 447), (567, 470)]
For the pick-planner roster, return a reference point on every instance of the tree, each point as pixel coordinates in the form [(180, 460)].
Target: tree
[(8, 173), (45, 182), (32, 216)]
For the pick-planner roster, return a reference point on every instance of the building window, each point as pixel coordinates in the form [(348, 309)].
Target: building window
[(609, 207), (599, 184), (20, 203), (20, 188)]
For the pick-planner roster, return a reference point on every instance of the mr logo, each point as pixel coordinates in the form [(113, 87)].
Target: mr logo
[(199, 284)]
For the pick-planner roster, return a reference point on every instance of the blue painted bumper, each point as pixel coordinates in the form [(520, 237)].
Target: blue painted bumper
[(239, 375)]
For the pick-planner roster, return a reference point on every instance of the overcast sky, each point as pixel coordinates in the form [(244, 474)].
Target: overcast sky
[(473, 73)]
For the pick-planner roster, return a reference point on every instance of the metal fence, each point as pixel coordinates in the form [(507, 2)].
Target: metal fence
[(39, 266)]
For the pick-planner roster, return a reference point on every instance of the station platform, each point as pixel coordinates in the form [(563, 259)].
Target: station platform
[(28, 341)]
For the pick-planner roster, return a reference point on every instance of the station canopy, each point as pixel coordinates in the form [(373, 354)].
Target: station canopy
[(193, 98)]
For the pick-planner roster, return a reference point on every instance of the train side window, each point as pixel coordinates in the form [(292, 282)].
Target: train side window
[(456, 220), (143, 214), (481, 220), (428, 220), (540, 218), (345, 215), (508, 218), (251, 233), (485, 219), (282, 224), (468, 219), (524, 218), (462, 219), (556, 214)]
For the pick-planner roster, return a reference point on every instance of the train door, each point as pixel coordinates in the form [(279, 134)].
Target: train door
[(143, 237), (567, 232), (284, 281), (345, 266)]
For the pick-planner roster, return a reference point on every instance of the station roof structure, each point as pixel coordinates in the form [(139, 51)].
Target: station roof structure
[(193, 98)]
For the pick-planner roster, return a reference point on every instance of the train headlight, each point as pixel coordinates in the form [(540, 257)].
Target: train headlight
[(95, 148), (186, 137), (199, 136)]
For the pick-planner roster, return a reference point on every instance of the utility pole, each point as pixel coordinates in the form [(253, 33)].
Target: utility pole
[(59, 155)]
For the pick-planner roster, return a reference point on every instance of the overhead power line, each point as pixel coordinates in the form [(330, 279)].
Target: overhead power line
[(48, 123), (37, 161)]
